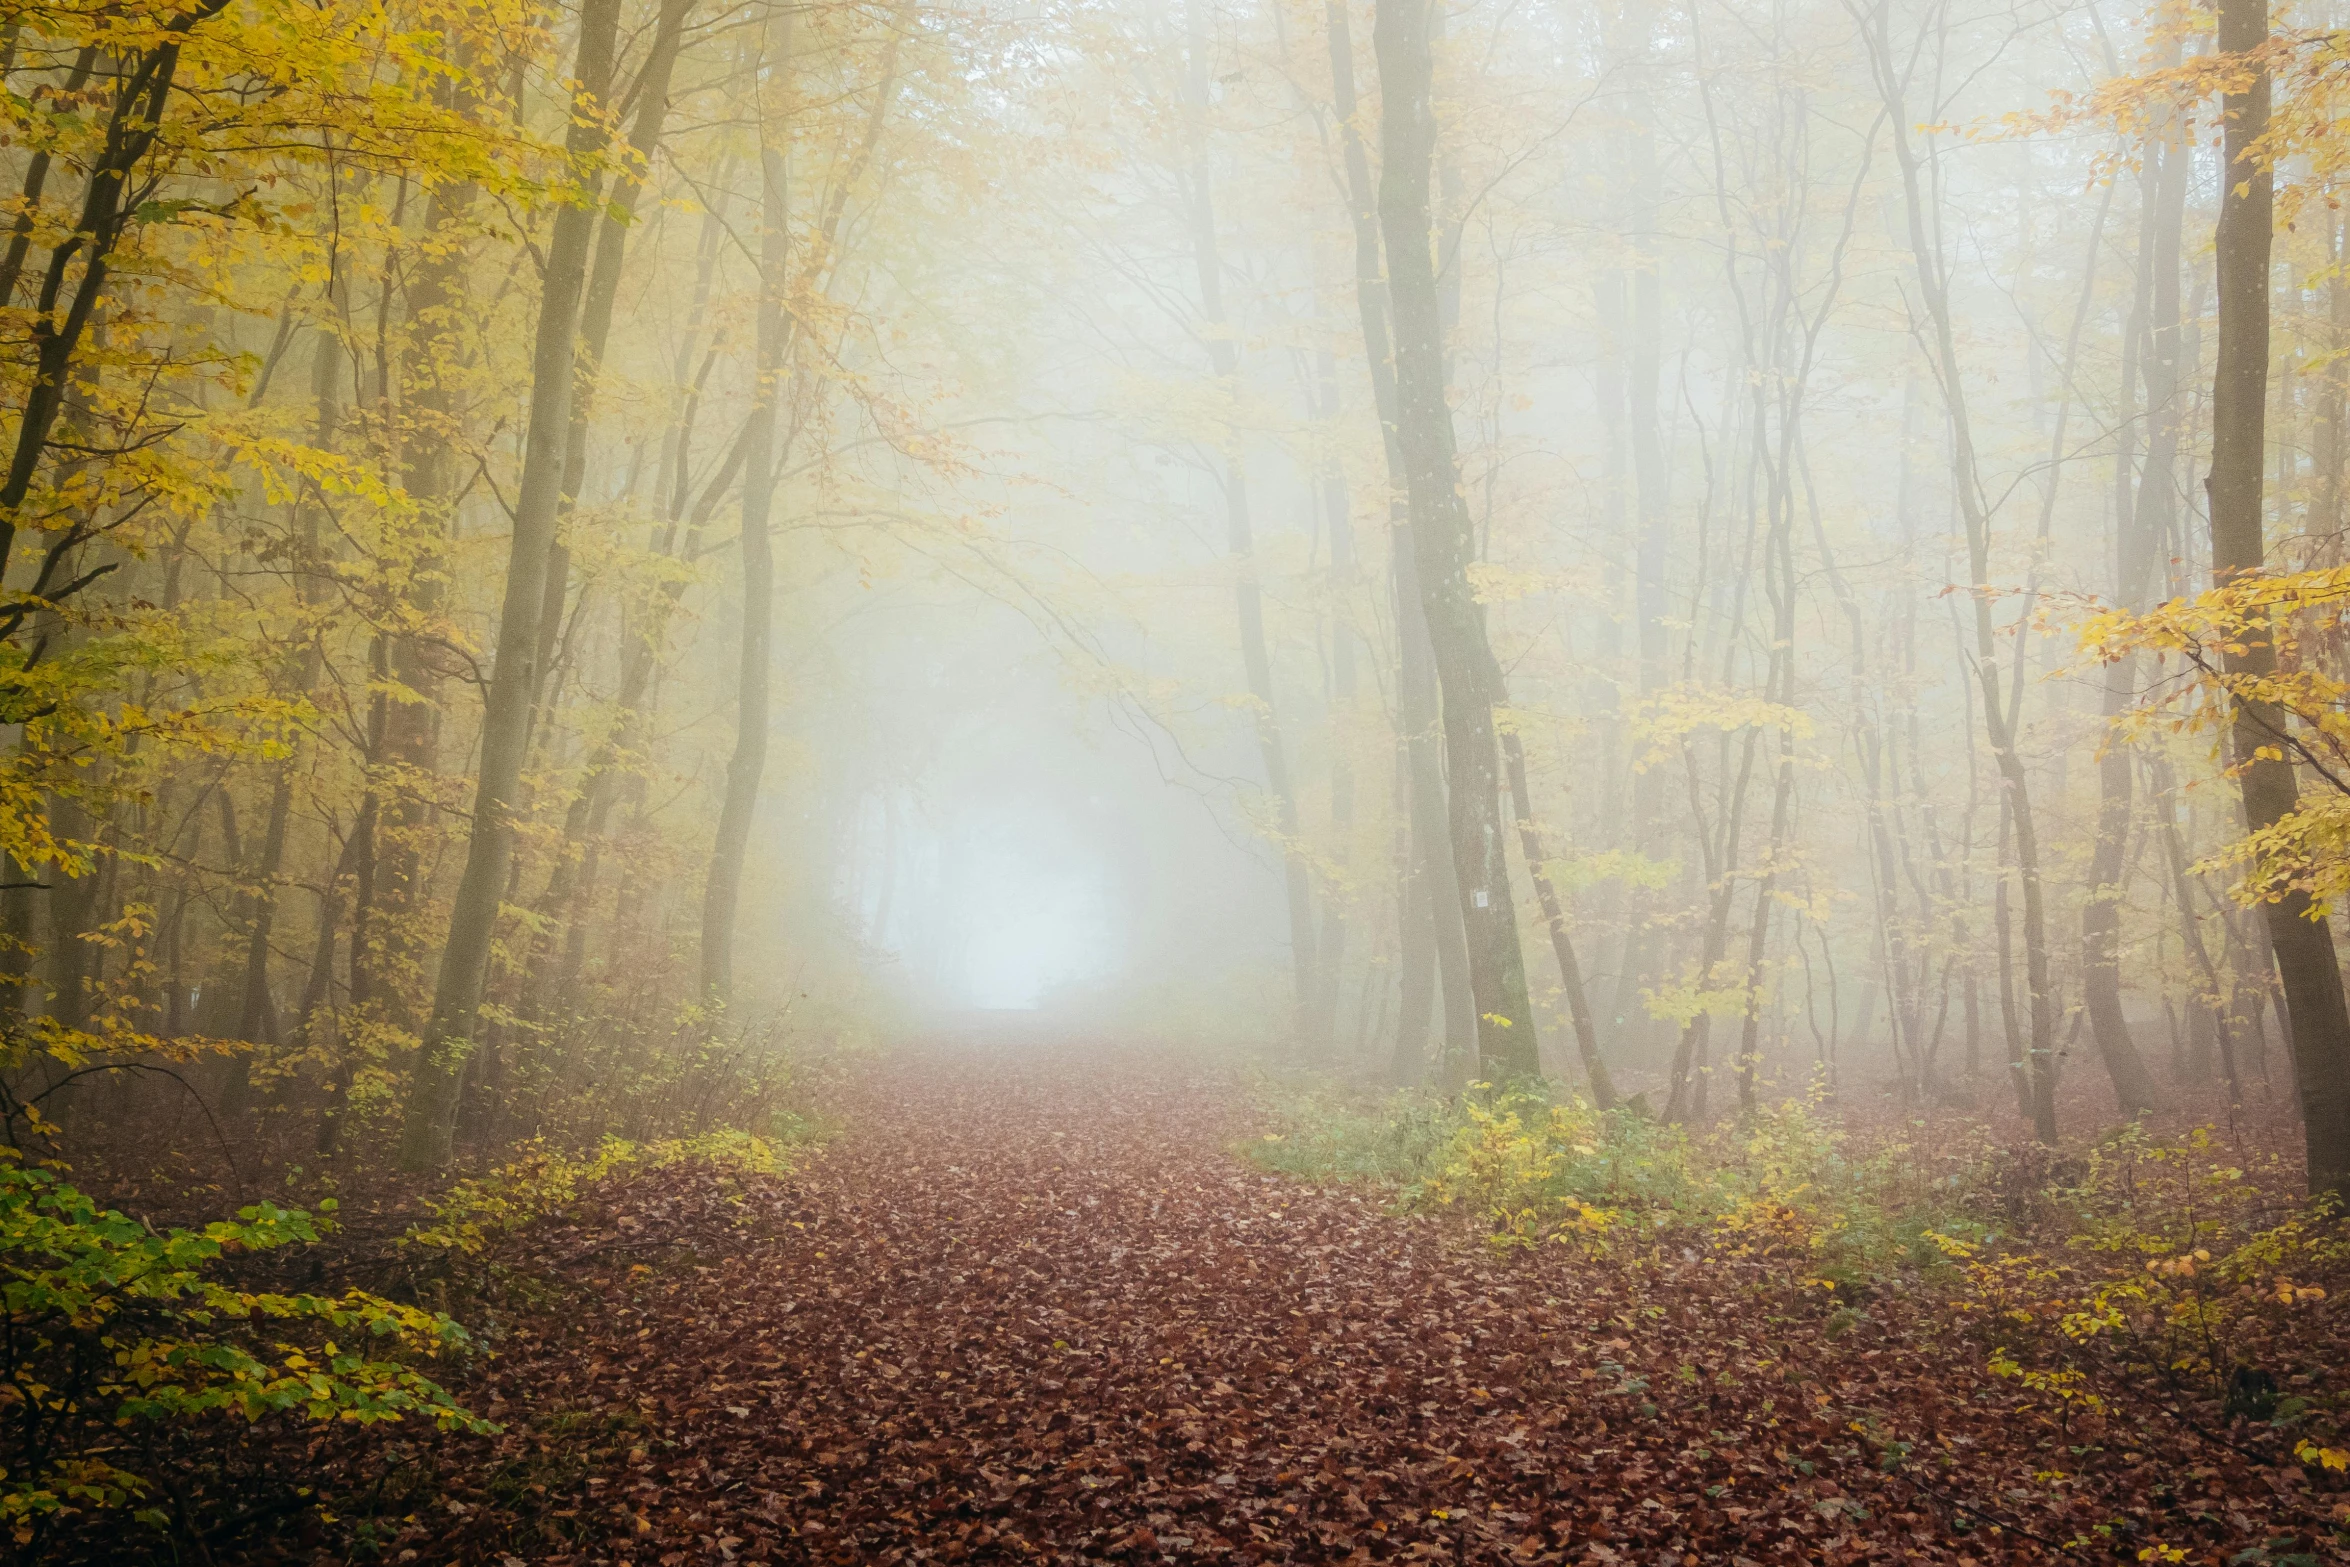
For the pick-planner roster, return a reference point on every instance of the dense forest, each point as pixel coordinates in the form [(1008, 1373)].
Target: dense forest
[(806, 693)]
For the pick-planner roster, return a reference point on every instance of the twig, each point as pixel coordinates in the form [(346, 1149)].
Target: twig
[(227, 1154), (1992, 1519)]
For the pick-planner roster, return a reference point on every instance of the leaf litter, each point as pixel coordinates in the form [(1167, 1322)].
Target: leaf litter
[(1037, 1312)]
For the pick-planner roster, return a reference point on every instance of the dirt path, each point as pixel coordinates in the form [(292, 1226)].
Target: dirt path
[(1009, 1316)]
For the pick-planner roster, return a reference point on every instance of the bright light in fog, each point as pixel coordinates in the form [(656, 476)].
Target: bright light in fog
[(1030, 926)]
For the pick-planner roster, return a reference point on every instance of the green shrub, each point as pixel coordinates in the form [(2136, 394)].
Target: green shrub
[(1328, 1136), (1537, 1166), (2136, 1256), (111, 1325)]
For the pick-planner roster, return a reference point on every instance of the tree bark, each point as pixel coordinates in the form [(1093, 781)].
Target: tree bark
[(1443, 544), (587, 822), (603, 292), (1554, 916), (1432, 940), (2304, 946), (722, 891), (429, 1127), (595, 330)]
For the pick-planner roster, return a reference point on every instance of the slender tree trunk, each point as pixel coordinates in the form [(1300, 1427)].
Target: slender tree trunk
[(607, 774), (1685, 1095), (1330, 962), (257, 1010), (2304, 946), (1554, 916), (1415, 940), (2210, 1019), (429, 1128), (2000, 724), (1758, 936), (2138, 527), (72, 904), (603, 291), (1443, 544), (722, 892), (595, 329), (1248, 601), (318, 995), (388, 943)]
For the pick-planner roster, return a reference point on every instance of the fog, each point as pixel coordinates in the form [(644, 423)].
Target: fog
[(1146, 780), (1652, 546)]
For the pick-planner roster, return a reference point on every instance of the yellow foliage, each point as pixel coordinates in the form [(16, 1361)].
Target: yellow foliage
[(2321, 1457), (544, 1180), (2305, 709)]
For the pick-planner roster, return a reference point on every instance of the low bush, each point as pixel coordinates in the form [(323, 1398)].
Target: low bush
[(122, 1341), (544, 1180), (2167, 1263), (115, 1333), (1536, 1167)]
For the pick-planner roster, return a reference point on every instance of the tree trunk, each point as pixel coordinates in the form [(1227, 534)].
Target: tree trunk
[(72, 909), (1432, 940), (651, 91), (1999, 724), (1338, 516), (1685, 1095), (257, 1010), (1240, 544), (2212, 1018), (595, 329), (722, 892), (1436, 881), (429, 1128), (2138, 529), (1443, 544), (388, 948), (1554, 915), (2304, 945)]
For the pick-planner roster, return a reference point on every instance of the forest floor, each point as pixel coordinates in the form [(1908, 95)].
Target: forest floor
[(1042, 1313)]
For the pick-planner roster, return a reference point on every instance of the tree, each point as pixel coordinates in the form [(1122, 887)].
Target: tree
[(1443, 545), (2303, 943), (430, 1126), (1433, 947), (2037, 1070), (722, 891)]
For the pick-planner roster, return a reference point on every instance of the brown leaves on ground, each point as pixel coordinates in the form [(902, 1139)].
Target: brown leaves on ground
[(1038, 1313)]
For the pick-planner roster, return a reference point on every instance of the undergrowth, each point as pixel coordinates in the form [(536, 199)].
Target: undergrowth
[(124, 1345), (115, 1332), (2135, 1265), (543, 1180)]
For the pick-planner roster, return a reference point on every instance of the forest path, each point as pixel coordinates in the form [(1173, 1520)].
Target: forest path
[(1040, 1312), (1037, 1312)]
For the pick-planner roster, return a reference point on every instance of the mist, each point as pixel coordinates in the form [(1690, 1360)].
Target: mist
[(1321, 780)]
